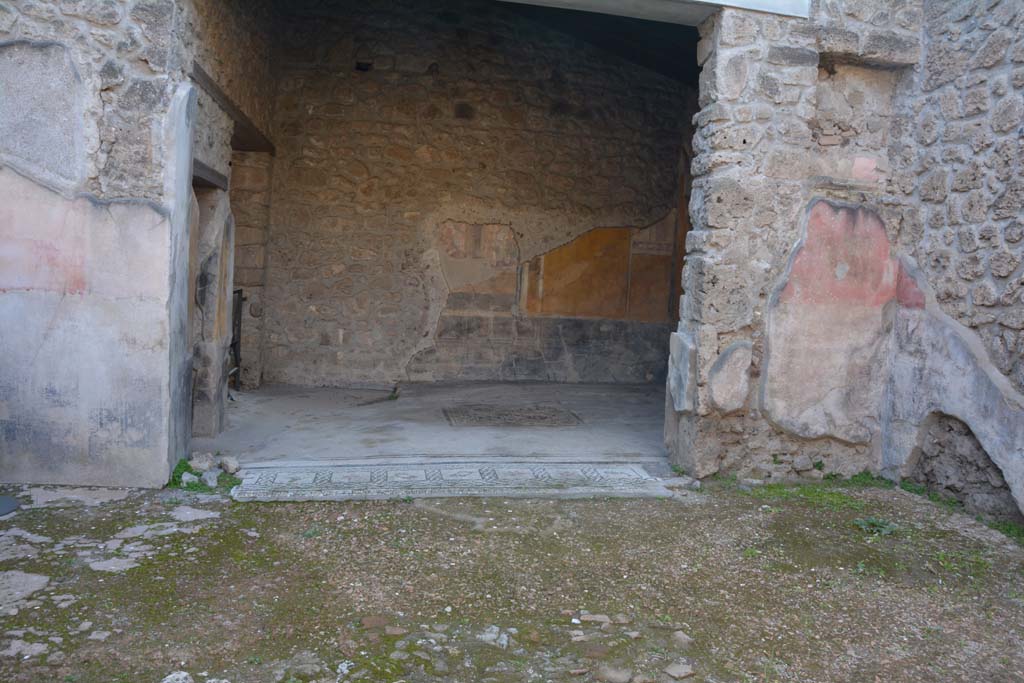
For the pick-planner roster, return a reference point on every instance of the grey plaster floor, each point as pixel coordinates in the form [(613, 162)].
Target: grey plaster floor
[(506, 439)]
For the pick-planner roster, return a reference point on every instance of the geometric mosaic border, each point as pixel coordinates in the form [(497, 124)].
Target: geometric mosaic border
[(376, 482)]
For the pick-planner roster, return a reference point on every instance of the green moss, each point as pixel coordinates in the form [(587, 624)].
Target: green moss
[(180, 469)]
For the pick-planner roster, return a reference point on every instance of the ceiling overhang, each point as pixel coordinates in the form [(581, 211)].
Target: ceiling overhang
[(688, 12)]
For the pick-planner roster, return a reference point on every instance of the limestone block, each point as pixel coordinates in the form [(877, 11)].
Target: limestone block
[(156, 18), (101, 12), (891, 49), (729, 380), (41, 111)]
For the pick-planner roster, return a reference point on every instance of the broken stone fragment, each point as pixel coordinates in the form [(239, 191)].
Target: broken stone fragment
[(178, 677), (23, 649), (679, 670), (210, 477), (595, 618), (229, 464), (188, 478), (682, 640), (201, 462), (802, 463)]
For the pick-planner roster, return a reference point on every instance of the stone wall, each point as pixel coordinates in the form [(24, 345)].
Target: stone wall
[(250, 204), (965, 129), (120, 63), (793, 110), (950, 461), (809, 334), (231, 40), (97, 129), (424, 156)]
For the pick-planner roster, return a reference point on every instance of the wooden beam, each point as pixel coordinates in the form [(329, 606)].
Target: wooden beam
[(204, 176), (247, 136)]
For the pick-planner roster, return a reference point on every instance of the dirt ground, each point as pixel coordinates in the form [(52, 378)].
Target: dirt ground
[(826, 582)]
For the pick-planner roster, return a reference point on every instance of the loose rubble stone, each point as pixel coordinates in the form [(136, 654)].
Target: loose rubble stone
[(595, 618), (679, 670), (210, 478), (229, 464), (178, 677), (202, 462), (24, 650), (682, 640)]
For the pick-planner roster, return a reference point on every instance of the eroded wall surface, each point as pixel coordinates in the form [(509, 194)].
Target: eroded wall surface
[(425, 155), (98, 124), (95, 157), (850, 278)]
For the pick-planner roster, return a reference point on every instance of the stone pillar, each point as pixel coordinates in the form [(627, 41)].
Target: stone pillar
[(792, 111)]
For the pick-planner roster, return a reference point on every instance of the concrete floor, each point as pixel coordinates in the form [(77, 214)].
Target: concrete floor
[(284, 426)]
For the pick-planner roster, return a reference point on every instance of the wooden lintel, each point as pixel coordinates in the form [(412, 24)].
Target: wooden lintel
[(247, 136), (204, 176)]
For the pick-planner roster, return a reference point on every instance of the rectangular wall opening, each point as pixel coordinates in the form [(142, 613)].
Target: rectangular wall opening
[(475, 208)]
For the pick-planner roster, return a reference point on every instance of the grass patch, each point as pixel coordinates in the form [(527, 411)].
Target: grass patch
[(815, 495), (866, 480), (875, 526), (180, 469), (951, 504), (1013, 530), (225, 481), (971, 564)]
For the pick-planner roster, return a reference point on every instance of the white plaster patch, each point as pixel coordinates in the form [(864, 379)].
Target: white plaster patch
[(23, 649), (114, 564), (50, 496), (184, 513)]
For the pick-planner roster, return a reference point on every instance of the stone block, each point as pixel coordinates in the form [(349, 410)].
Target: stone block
[(891, 49), (100, 12), (792, 56), (728, 379), (41, 112), (682, 372)]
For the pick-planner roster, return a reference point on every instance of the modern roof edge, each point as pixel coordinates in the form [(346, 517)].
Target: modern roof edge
[(690, 12)]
